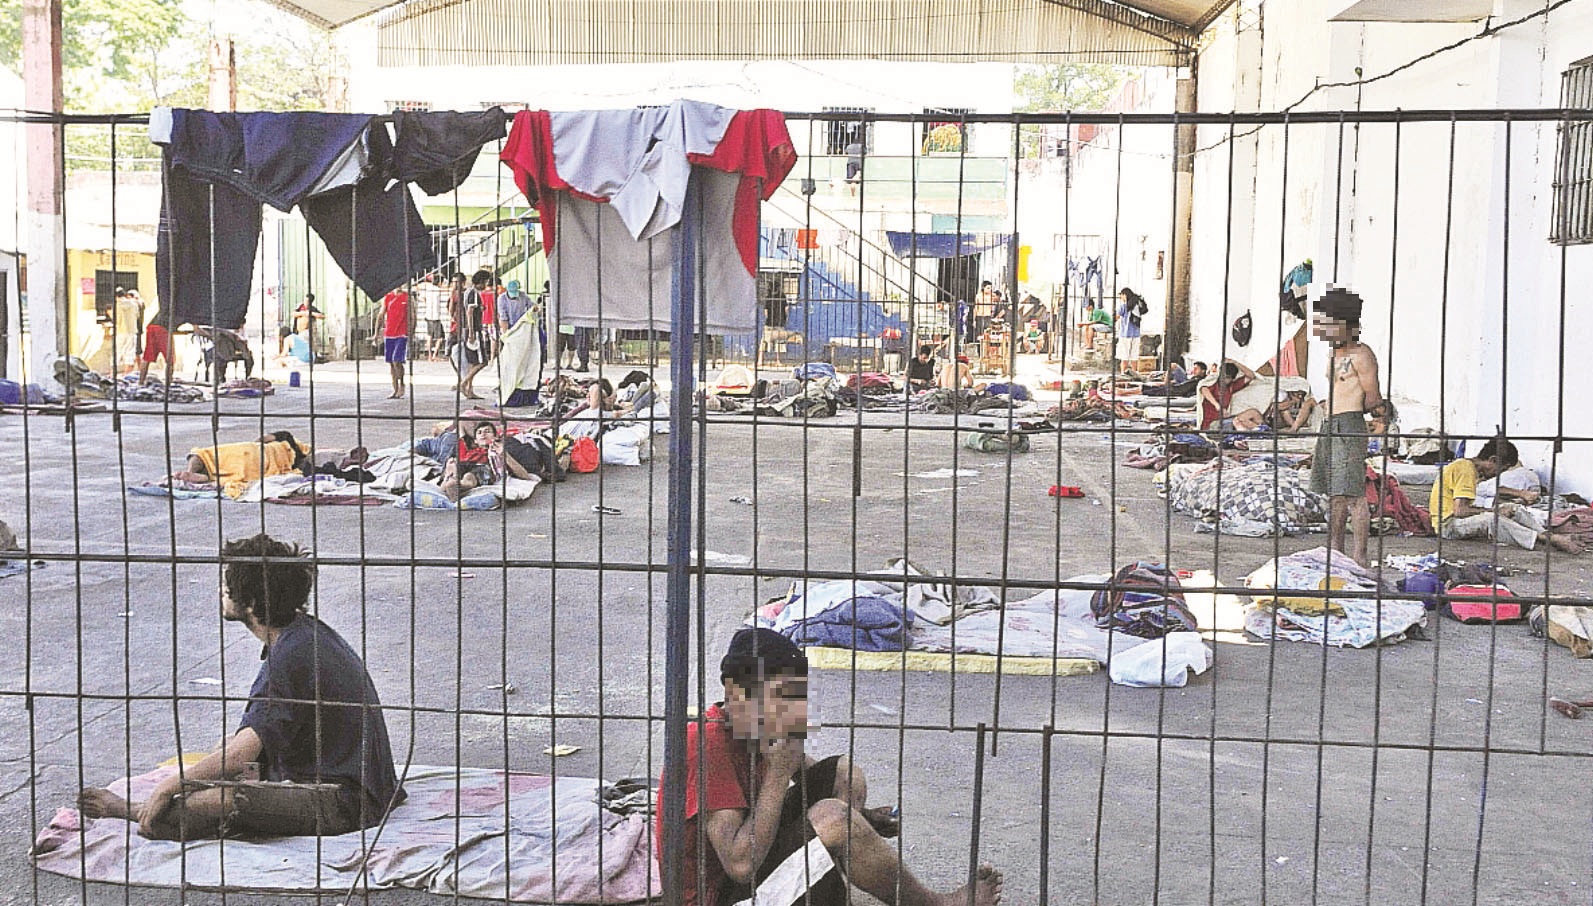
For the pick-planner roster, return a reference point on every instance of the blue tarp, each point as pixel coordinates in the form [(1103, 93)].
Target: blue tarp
[(943, 245)]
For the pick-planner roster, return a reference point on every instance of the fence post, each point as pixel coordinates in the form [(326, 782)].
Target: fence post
[(677, 595)]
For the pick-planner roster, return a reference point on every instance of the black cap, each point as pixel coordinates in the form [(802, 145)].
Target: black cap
[(756, 653)]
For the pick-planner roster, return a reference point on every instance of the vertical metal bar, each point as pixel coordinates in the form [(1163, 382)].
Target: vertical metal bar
[(1216, 538), (1322, 664), (683, 294), (1382, 469), (1504, 413), (1046, 735), (1438, 633), (1272, 643), (1011, 363), (978, 812)]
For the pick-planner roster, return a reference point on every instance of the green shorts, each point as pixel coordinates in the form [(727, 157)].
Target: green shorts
[(1338, 467)]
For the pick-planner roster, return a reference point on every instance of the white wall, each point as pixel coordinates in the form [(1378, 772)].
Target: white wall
[(1441, 341), (1120, 206)]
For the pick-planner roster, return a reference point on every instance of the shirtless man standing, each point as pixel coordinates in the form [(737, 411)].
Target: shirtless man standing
[(1338, 467)]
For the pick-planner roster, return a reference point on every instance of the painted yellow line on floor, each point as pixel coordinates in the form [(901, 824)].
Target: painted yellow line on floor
[(940, 662)]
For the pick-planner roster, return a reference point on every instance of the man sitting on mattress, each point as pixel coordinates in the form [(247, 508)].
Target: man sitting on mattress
[(313, 727), (767, 804)]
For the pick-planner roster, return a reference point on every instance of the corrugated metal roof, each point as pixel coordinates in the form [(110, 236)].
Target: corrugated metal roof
[(533, 32)]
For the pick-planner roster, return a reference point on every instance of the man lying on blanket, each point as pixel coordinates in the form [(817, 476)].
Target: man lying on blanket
[(765, 800), (313, 725)]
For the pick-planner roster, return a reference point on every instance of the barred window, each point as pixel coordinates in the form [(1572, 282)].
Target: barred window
[(1573, 172), (840, 133)]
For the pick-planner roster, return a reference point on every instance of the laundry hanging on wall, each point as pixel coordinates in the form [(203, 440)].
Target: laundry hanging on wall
[(342, 171), (610, 186)]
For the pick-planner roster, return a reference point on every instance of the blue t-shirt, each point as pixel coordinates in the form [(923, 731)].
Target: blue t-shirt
[(312, 663), (299, 348)]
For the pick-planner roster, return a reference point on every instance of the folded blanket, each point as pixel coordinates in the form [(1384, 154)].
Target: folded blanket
[(474, 831)]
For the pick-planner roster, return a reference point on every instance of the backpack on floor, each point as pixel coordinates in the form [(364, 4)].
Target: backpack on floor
[(1477, 604), (1144, 600), (584, 455)]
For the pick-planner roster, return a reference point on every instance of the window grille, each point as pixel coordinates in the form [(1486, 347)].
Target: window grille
[(840, 133), (1573, 173)]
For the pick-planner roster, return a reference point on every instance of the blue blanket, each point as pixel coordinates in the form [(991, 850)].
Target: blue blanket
[(864, 622)]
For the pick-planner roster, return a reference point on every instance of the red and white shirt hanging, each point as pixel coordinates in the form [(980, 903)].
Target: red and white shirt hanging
[(610, 186)]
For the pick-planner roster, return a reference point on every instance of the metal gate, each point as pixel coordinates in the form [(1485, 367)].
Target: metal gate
[(1335, 739)]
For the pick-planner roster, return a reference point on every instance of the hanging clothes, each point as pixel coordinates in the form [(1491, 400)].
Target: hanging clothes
[(1291, 297), (436, 150), (1287, 362), (609, 183), (520, 355), (344, 176)]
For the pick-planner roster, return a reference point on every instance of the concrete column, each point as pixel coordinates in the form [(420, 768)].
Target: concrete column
[(45, 225), (1176, 341), (223, 75)]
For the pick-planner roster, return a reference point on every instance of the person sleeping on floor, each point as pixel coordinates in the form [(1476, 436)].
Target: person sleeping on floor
[(311, 755), (766, 802), (234, 466)]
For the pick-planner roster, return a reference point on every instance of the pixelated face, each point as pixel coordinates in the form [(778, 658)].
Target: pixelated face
[(1332, 330), (778, 709)]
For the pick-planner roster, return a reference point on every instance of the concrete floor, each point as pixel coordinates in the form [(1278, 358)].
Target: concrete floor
[(1287, 774)]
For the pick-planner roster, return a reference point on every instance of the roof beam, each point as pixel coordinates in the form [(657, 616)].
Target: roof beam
[(542, 32), (1129, 17)]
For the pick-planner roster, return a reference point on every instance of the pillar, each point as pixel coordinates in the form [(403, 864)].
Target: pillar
[(1176, 341), (46, 178)]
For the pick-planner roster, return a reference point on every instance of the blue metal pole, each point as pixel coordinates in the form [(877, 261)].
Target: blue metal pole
[(677, 596)]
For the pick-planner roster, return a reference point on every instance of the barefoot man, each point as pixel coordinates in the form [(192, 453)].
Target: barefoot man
[(1338, 467), (395, 319), (767, 804), (313, 725)]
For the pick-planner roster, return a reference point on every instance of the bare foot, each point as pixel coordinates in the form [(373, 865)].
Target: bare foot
[(1564, 544), (94, 802), (473, 396), (395, 396), (987, 889)]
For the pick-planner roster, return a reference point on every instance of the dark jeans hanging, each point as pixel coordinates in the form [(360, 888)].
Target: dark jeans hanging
[(218, 168)]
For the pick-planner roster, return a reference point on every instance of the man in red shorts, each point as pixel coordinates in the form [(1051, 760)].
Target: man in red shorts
[(157, 344), (394, 320), (781, 827)]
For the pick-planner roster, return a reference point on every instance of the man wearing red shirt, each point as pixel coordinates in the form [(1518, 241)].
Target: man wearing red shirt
[(394, 319), (1215, 399), (765, 804)]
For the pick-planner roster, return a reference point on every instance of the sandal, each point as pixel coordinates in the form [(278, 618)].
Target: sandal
[(886, 820)]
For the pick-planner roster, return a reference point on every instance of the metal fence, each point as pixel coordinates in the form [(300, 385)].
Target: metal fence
[(1339, 743)]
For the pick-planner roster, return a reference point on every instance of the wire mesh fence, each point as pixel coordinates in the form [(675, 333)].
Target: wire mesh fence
[(1067, 611)]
